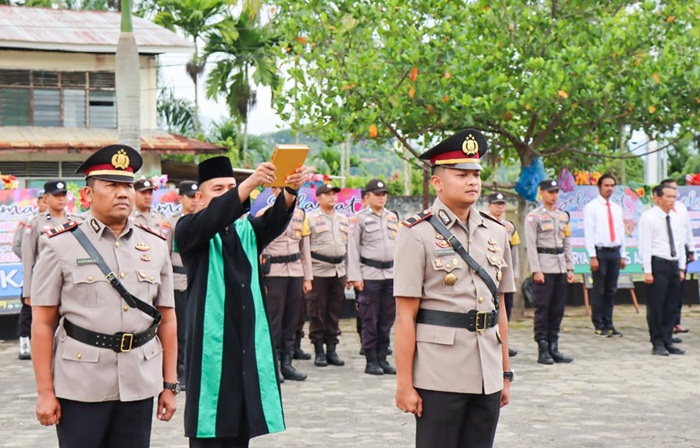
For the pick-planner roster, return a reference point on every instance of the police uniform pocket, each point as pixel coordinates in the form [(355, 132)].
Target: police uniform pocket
[(148, 281), (77, 351), (90, 284), (151, 349), (435, 335), (393, 229)]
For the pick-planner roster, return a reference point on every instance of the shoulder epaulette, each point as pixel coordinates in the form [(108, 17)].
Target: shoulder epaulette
[(67, 227), (487, 216), (415, 219), (151, 231)]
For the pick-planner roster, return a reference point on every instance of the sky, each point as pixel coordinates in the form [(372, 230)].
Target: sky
[(263, 118)]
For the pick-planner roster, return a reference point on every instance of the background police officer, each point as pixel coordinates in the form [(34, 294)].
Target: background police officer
[(186, 195), (371, 271), (324, 304), (547, 231), (144, 213), (97, 377), (451, 339), (56, 197), (288, 275), (497, 209), (24, 320)]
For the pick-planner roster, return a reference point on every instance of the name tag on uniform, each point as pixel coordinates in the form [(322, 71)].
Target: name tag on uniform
[(441, 252), (84, 261)]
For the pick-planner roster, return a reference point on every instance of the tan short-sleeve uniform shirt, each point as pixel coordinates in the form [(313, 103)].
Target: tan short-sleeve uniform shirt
[(294, 240), (66, 277), (373, 237), (454, 359), (329, 237), (549, 230)]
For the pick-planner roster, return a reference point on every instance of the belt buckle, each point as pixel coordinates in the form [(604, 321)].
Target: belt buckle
[(111, 276), (481, 328), (126, 337)]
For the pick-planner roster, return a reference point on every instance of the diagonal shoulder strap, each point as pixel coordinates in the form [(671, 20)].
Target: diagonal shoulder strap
[(450, 238), (131, 300)]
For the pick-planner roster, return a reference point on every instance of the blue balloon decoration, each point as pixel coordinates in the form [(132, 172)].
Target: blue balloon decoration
[(530, 178)]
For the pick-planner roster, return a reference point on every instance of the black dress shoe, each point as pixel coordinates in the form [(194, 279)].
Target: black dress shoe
[(614, 333), (601, 332), (676, 340), (672, 349), (659, 350)]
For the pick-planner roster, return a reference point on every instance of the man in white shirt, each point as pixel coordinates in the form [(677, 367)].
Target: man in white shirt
[(604, 232), (682, 212), (662, 240)]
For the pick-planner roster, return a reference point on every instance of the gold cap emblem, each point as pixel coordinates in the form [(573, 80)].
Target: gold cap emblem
[(470, 146), (120, 160)]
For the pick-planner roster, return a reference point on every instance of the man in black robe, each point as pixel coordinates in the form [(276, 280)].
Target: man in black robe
[(232, 390)]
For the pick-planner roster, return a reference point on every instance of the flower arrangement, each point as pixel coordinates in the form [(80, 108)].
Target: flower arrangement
[(586, 177), (315, 180), (692, 179), (158, 180), (9, 182)]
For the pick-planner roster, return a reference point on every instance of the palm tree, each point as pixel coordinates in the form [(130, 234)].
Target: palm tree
[(128, 83), (331, 159), (194, 18), (247, 58), (175, 114)]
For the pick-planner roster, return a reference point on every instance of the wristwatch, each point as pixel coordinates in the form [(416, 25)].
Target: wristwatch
[(509, 375), (173, 387)]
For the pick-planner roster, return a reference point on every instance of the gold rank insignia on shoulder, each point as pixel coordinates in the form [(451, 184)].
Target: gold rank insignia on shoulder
[(415, 219), (450, 279), (69, 226), (142, 247), (151, 231)]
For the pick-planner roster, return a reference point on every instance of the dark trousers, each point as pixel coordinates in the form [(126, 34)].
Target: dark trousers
[(377, 310), (604, 288), (324, 305), (680, 302), (180, 307), (107, 424), (24, 322), (662, 300), (508, 299), (550, 300), (285, 299), (453, 420)]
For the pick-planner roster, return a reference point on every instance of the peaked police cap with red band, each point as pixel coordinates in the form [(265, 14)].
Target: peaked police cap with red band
[(116, 163), (462, 151)]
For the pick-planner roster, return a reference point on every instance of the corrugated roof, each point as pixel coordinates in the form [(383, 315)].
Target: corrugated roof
[(37, 139), (80, 31)]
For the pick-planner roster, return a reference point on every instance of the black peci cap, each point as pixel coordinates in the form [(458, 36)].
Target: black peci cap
[(212, 168)]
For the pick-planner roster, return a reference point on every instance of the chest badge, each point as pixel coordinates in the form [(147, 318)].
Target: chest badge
[(444, 244), (450, 279), (145, 257), (499, 275), (142, 247)]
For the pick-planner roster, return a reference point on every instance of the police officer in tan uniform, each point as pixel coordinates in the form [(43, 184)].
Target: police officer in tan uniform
[(24, 320), (286, 264), (453, 370), (97, 373), (497, 209), (186, 195), (56, 197), (371, 271), (144, 213), (547, 231), (324, 304)]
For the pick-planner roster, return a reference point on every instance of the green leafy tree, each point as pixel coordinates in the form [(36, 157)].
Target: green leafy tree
[(246, 57), (175, 115)]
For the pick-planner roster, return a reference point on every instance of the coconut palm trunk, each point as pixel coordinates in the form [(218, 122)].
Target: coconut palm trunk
[(128, 83)]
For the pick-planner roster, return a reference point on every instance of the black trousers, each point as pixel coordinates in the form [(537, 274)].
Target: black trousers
[(550, 301), (180, 311), (377, 309), (285, 301), (680, 302), (108, 424), (604, 288), (454, 420), (508, 299), (324, 305), (227, 442), (663, 297), (24, 321)]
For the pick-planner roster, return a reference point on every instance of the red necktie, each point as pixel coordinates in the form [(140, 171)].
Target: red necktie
[(611, 226)]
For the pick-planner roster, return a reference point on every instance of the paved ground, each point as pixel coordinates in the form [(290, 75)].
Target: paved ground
[(615, 394)]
